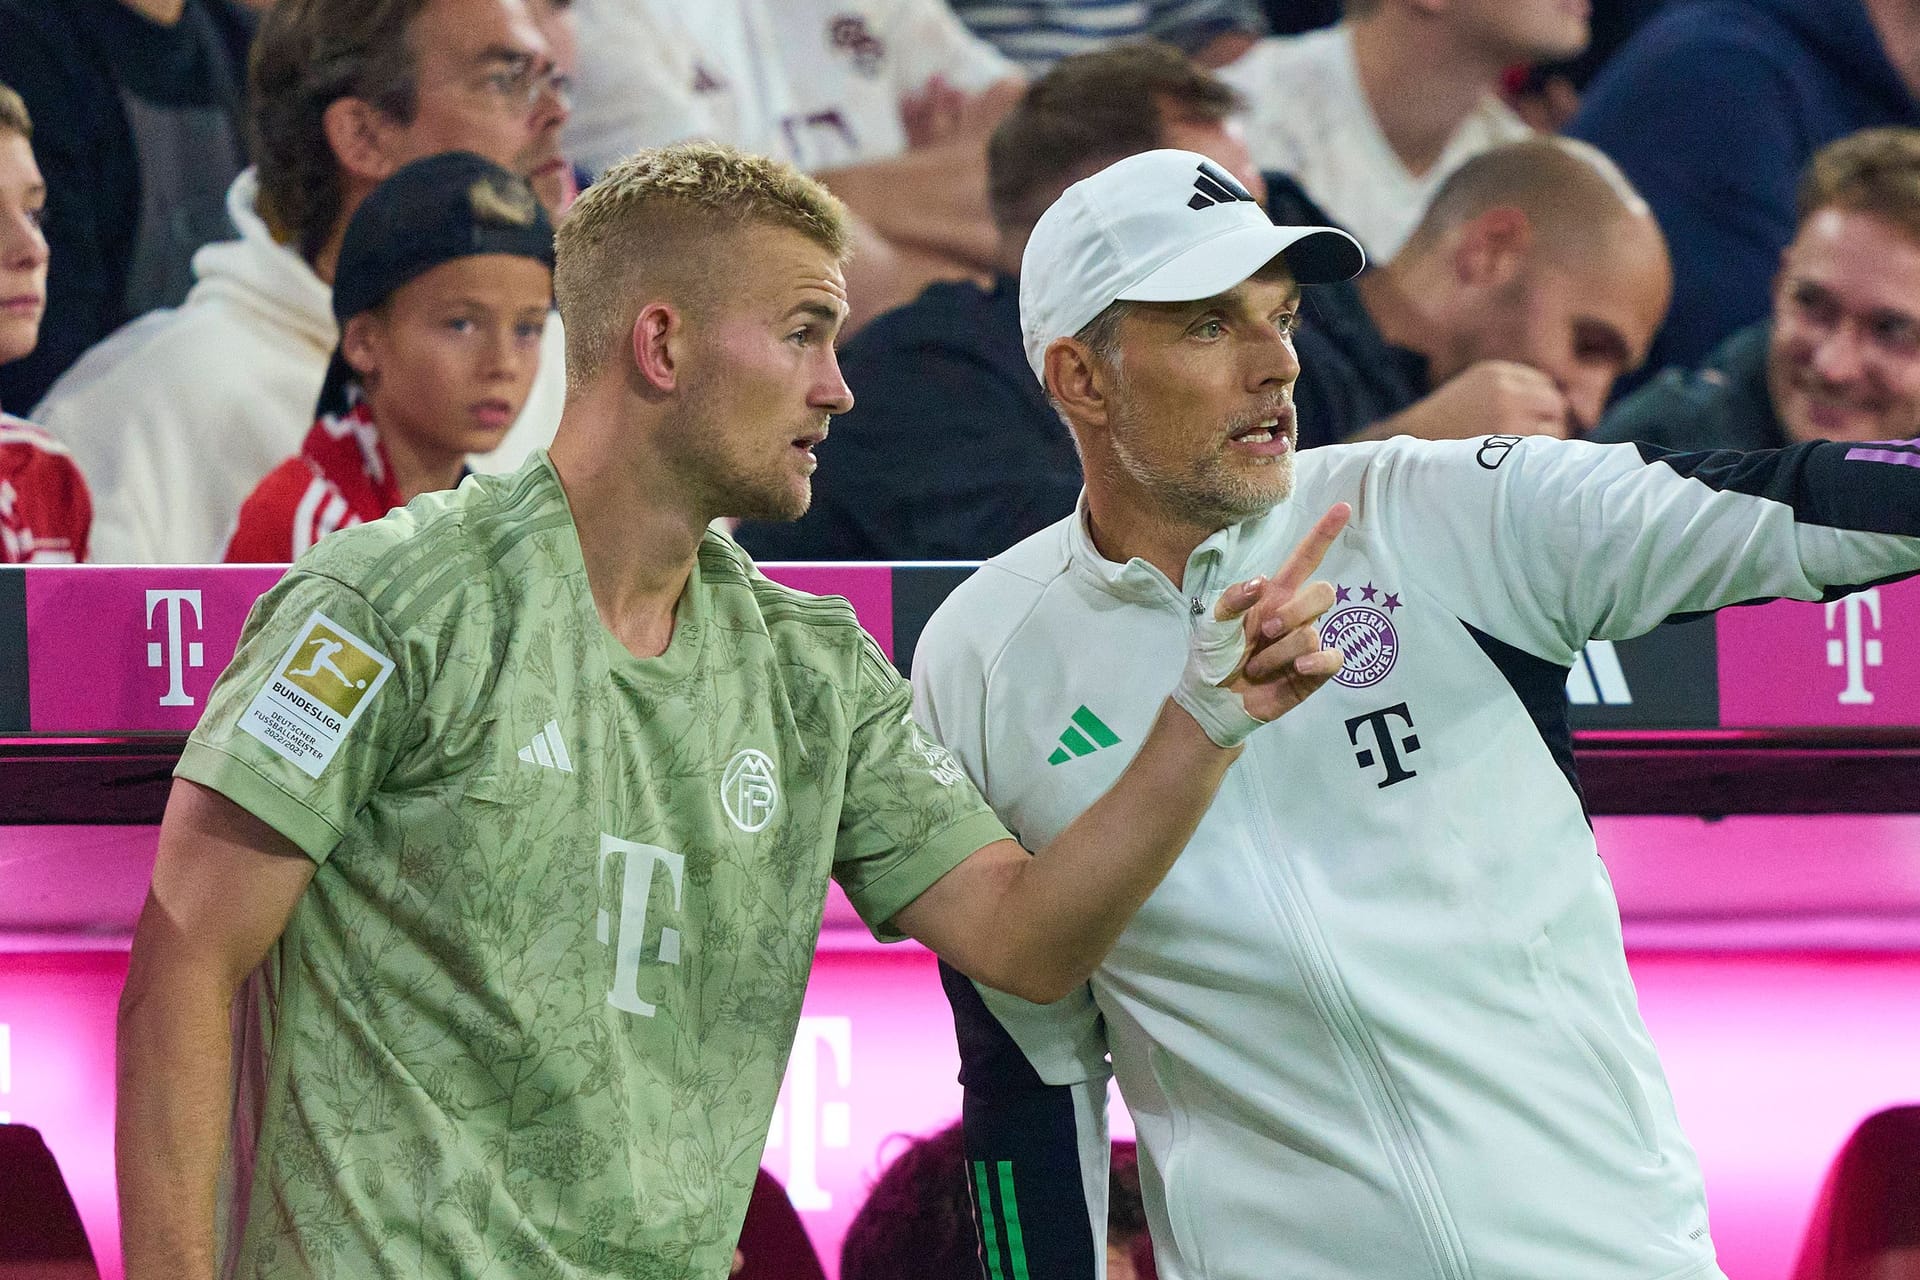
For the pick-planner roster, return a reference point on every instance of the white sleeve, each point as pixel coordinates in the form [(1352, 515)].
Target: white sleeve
[(928, 41), (633, 86), (1546, 543)]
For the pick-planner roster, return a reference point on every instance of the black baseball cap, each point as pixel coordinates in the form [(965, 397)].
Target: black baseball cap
[(447, 206)]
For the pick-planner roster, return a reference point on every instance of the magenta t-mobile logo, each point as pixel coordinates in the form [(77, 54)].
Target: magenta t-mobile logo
[(6, 1069)]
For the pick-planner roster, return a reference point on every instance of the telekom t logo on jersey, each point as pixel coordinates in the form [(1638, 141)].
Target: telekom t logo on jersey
[(169, 652), (1854, 615), (636, 889)]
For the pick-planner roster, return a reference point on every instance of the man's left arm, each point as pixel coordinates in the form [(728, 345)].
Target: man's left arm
[(1550, 543)]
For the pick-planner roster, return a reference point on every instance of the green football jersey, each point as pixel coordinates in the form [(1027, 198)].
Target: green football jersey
[(531, 1016)]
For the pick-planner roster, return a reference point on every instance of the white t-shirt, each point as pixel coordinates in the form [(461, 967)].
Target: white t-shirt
[(815, 82), (1310, 118)]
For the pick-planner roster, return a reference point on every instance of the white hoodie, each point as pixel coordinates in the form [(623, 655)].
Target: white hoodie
[(175, 417), (1376, 1023)]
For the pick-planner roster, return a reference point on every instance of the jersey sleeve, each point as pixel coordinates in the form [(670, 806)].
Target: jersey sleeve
[(1546, 543), (910, 815), (308, 718)]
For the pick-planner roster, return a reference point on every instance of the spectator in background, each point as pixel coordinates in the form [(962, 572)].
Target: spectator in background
[(44, 508), (142, 126), (917, 1222), (177, 417), (1715, 108), (1373, 114), (951, 451), (1840, 358), (559, 185), (444, 282), (1535, 278), (1038, 33), (888, 102)]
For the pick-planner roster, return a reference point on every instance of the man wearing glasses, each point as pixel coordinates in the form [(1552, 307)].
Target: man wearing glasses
[(180, 414)]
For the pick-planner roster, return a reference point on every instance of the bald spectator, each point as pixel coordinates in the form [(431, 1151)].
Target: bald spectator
[(140, 113), (1535, 278), (888, 102), (1371, 115), (176, 417), (1840, 357), (1715, 108)]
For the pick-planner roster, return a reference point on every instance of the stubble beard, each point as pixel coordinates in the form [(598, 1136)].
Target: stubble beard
[(1209, 492)]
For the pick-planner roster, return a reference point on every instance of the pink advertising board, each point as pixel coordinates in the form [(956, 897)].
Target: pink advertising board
[(1854, 661), (135, 650), (132, 650), (867, 587), (1773, 1058)]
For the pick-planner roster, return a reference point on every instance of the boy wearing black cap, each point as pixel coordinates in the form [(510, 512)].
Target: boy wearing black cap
[(442, 293)]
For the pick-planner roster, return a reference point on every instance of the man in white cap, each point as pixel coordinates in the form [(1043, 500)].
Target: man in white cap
[(1377, 1020)]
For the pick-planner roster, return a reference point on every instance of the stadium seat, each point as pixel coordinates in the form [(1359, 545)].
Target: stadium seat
[(1866, 1224), (40, 1233)]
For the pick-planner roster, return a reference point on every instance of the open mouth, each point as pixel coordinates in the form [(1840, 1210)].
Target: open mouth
[(1268, 437)]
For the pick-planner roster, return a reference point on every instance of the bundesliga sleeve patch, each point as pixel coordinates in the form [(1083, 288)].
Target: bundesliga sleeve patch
[(317, 691)]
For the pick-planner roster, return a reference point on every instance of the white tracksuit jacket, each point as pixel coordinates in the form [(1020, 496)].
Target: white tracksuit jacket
[(1377, 1023)]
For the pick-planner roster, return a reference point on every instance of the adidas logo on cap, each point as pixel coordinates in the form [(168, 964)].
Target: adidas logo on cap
[(1216, 186)]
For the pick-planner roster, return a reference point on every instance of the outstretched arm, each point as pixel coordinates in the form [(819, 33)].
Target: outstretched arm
[(1037, 926)]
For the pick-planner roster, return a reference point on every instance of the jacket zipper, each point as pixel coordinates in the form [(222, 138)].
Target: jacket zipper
[(1343, 1020)]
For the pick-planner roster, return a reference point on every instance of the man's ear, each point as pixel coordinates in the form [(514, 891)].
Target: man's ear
[(656, 343), (1490, 250), (361, 138), (1076, 381)]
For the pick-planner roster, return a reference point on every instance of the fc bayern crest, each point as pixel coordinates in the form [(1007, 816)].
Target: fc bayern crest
[(1364, 633)]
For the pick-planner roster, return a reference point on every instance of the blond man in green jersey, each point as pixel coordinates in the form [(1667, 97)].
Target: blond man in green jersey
[(521, 802)]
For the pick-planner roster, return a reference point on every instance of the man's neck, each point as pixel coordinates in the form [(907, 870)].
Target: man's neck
[(1420, 81), (639, 536), (160, 12), (418, 470), (1124, 525)]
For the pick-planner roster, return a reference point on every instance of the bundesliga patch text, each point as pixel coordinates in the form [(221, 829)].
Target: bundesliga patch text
[(317, 691)]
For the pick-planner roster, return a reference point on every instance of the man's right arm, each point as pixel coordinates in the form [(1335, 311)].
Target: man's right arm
[(224, 886)]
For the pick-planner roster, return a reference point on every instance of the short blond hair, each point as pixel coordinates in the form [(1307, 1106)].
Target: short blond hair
[(13, 114), (661, 219)]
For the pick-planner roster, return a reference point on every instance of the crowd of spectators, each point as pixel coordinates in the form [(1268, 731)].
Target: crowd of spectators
[(170, 314)]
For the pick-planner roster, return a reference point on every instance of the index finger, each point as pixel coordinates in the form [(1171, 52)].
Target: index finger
[(1311, 550)]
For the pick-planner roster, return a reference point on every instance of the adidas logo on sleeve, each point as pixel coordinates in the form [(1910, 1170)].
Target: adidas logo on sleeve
[(548, 749), (1086, 735)]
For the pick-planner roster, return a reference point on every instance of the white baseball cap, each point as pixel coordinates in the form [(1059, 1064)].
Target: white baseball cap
[(1160, 226)]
